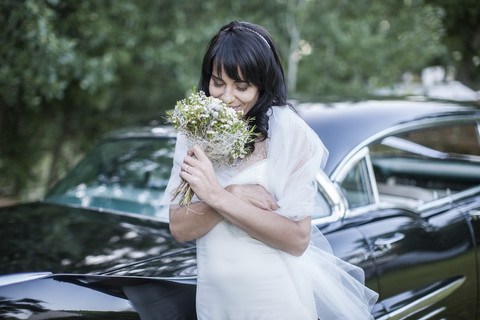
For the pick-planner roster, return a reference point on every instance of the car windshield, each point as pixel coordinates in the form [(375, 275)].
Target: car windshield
[(128, 175)]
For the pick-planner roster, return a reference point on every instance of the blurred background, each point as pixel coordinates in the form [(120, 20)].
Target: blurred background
[(72, 70)]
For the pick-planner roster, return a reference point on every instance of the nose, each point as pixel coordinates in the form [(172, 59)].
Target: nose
[(227, 95)]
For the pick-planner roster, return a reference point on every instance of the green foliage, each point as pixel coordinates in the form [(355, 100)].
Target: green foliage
[(360, 45), (461, 20), (72, 70)]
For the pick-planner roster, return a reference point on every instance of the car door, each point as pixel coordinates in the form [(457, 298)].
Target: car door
[(424, 242), (391, 234), (344, 236), (421, 232), (425, 263)]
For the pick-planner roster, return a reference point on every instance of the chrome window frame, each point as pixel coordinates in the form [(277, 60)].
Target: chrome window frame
[(478, 131), (343, 166), (334, 198), (362, 151)]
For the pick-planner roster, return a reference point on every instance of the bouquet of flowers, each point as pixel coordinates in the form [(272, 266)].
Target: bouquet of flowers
[(218, 129)]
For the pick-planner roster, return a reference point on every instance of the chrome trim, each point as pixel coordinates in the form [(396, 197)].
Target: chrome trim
[(433, 313), (468, 193), (450, 199), (329, 190), (353, 212), (478, 132), (424, 302), (334, 198), (382, 244), (474, 214), (352, 160), (9, 279), (378, 206), (372, 188), (362, 150), (413, 147), (414, 125), (371, 176)]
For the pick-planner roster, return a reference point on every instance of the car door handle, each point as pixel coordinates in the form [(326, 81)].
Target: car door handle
[(386, 243)]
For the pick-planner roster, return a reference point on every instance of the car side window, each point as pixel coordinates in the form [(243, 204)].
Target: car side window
[(454, 140), (356, 185), (427, 164)]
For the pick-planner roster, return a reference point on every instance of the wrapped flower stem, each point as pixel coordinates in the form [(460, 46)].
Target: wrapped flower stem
[(185, 191)]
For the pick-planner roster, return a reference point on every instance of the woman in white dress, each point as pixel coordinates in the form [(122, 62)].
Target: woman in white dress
[(258, 256)]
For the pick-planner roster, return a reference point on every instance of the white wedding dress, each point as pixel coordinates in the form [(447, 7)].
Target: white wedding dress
[(242, 278)]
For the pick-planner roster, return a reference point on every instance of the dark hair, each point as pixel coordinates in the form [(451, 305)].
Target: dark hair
[(249, 48)]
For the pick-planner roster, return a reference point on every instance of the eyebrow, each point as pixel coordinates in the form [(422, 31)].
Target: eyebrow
[(216, 77), (236, 81)]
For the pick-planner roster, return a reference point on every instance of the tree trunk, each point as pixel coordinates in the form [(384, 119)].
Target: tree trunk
[(293, 55), (57, 149)]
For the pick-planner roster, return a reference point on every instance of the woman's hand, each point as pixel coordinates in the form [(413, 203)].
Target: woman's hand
[(198, 171), (254, 194)]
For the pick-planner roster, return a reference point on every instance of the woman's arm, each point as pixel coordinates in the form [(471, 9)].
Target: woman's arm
[(277, 231), (192, 222), (265, 225)]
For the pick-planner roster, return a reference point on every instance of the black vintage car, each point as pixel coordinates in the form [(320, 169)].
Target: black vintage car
[(399, 197)]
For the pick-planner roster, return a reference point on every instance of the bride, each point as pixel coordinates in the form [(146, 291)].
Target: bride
[(257, 253)]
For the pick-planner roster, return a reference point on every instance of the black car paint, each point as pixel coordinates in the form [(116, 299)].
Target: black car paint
[(63, 239), (98, 297), (74, 244)]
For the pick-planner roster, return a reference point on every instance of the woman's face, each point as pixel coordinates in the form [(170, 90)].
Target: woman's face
[(239, 95)]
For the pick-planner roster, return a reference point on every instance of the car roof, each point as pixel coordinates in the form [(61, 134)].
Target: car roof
[(344, 126)]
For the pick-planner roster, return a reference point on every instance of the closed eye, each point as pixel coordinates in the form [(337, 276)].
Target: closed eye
[(242, 85)]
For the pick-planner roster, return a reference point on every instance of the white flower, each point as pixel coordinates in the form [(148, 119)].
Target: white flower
[(218, 129)]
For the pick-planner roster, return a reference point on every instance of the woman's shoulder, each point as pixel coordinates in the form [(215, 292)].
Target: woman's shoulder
[(288, 128), (283, 110)]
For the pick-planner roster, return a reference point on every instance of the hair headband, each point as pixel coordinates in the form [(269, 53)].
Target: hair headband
[(255, 32)]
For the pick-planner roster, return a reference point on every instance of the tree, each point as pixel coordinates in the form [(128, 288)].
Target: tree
[(72, 70), (30, 76), (60, 61), (351, 47), (461, 20)]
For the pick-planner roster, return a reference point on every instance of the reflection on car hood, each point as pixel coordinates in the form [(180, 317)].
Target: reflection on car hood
[(62, 239)]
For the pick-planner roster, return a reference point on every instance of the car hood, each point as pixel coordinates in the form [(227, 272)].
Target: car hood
[(63, 239)]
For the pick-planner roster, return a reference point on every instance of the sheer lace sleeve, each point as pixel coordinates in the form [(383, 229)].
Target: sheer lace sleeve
[(335, 287), (295, 155)]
